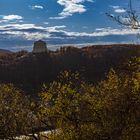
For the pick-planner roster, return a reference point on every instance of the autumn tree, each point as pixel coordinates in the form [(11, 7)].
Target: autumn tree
[(108, 110), (17, 116), (67, 105)]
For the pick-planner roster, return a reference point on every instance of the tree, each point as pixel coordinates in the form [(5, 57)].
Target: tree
[(66, 104), (128, 19), (108, 110), (16, 113)]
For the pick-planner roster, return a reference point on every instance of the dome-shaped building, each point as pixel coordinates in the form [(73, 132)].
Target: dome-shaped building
[(40, 46)]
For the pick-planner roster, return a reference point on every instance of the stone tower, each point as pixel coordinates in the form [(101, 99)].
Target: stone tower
[(39, 47)]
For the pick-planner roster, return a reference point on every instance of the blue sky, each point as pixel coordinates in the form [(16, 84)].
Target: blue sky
[(61, 22)]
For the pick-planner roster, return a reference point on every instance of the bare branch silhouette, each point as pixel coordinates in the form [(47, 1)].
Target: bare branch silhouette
[(130, 18)]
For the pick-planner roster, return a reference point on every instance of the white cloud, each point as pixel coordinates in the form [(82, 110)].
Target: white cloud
[(71, 7), (55, 28), (20, 27), (114, 6), (34, 32), (12, 17), (29, 31), (36, 7), (30, 26), (57, 17), (26, 35), (46, 23), (118, 9), (103, 32)]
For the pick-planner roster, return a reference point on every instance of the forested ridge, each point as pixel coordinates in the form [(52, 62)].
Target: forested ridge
[(29, 71)]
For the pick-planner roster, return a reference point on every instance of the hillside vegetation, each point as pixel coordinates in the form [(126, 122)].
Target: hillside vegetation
[(75, 109), (29, 71)]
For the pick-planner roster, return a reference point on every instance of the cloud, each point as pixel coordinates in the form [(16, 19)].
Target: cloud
[(20, 27), (46, 23), (12, 17), (114, 7), (34, 32), (30, 31), (55, 28), (36, 7), (22, 34), (71, 7), (103, 32), (118, 9)]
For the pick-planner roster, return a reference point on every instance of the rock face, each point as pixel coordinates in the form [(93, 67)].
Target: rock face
[(40, 46)]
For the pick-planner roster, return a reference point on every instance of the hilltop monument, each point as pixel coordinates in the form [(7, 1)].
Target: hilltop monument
[(40, 46)]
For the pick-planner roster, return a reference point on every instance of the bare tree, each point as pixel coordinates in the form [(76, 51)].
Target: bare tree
[(130, 18)]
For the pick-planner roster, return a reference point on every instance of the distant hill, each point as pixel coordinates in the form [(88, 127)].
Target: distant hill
[(29, 71), (4, 51)]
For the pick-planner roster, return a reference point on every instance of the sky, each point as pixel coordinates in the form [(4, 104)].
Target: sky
[(60, 22)]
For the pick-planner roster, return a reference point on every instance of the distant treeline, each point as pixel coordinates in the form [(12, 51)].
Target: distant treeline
[(29, 71)]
